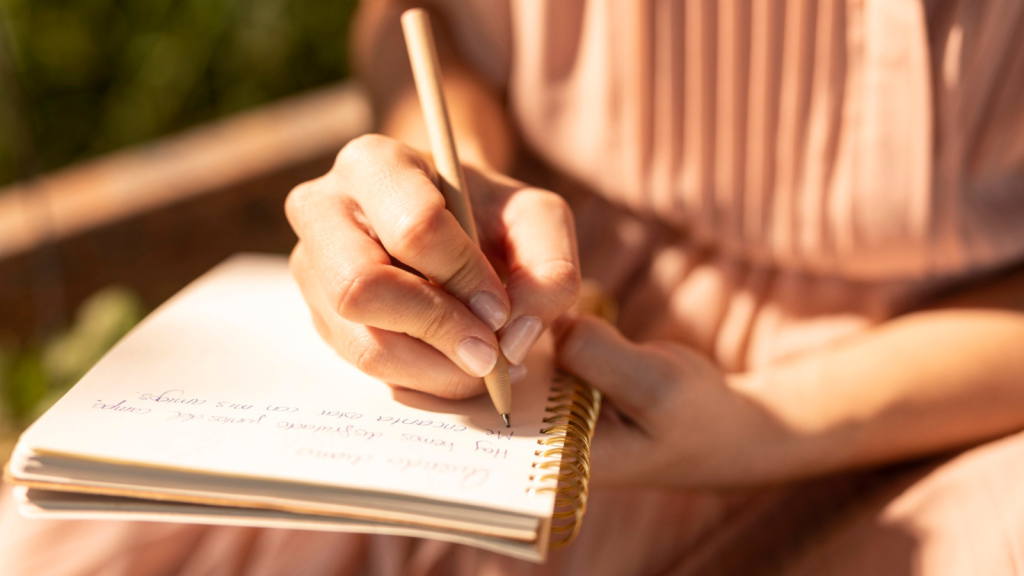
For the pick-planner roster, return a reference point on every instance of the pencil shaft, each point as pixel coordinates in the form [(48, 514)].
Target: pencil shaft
[(419, 40), (426, 70)]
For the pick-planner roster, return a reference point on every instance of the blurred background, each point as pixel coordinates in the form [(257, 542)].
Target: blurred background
[(102, 214), (96, 75)]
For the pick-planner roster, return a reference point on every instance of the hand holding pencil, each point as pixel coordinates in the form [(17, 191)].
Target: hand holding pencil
[(402, 290)]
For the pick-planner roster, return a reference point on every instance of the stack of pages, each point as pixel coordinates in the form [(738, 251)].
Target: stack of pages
[(225, 407)]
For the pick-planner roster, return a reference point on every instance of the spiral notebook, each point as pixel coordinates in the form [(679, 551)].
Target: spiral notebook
[(224, 406)]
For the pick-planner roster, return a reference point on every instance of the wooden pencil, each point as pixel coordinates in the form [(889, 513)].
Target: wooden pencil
[(419, 40)]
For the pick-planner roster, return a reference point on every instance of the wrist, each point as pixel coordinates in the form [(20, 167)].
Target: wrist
[(772, 449)]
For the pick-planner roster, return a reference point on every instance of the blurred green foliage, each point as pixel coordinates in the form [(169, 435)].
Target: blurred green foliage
[(95, 75), (33, 378)]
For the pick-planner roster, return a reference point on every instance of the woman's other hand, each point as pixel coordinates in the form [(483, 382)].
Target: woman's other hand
[(400, 291), (669, 416)]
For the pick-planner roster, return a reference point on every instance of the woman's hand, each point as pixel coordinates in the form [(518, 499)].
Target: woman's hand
[(399, 290), (669, 417), (925, 382)]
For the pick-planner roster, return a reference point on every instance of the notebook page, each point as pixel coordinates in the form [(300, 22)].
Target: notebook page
[(230, 377)]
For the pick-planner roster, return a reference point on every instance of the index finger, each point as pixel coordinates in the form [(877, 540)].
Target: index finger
[(407, 213)]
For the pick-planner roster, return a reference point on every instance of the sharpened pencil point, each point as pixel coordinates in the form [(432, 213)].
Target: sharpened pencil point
[(505, 418)]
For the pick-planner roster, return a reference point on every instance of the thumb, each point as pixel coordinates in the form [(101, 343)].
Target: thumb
[(636, 378)]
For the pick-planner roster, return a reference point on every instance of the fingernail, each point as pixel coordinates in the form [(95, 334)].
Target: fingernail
[(478, 357), (519, 337), (488, 308), (516, 372)]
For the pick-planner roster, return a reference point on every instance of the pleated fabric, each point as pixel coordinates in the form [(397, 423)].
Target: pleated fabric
[(821, 165), (844, 137)]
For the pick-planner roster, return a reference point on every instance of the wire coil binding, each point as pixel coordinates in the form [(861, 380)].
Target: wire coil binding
[(565, 453), (573, 407)]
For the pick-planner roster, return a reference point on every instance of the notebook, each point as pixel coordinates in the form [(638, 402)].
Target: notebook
[(224, 406)]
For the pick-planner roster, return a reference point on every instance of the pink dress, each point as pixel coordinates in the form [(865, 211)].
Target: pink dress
[(772, 177)]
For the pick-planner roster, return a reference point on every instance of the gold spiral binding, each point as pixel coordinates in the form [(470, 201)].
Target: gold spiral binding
[(573, 407)]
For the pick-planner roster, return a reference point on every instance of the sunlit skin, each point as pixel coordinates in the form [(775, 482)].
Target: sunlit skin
[(943, 377)]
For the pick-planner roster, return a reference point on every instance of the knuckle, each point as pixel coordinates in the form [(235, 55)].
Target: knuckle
[(563, 279), (369, 357), (349, 292), (538, 200), (556, 204), (415, 232), (436, 323), (466, 268), (363, 148), (343, 294)]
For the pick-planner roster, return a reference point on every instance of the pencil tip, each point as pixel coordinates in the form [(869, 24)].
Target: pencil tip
[(505, 418)]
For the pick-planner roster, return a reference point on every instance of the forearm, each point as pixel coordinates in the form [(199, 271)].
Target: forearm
[(929, 381), (482, 130)]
